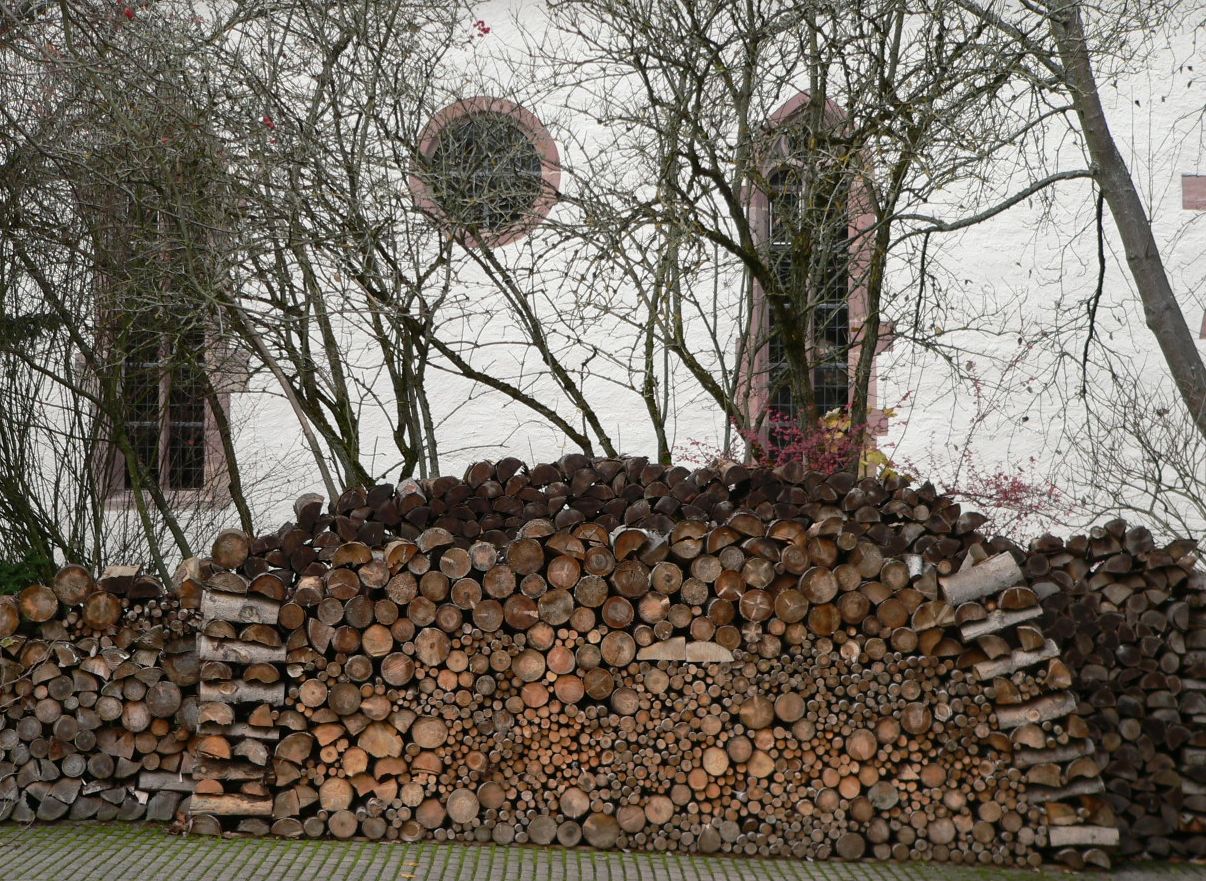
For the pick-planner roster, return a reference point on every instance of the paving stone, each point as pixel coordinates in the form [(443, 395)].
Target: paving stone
[(143, 852)]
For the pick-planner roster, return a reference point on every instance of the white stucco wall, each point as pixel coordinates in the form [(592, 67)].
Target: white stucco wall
[(1022, 268), (1034, 269)]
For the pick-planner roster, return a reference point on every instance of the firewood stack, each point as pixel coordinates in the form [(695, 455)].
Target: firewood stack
[(241, 651), (994, 607), (621, 654), (97, 699), (627, 655), (1130, 617)]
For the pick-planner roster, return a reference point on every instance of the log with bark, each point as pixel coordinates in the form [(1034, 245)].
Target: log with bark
[(619, 654), (1129, 617)]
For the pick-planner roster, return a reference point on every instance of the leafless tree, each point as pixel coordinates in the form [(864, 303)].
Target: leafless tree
[(1057, 37), (260, 158), (112, 211), (1140, 455), (675, 101)]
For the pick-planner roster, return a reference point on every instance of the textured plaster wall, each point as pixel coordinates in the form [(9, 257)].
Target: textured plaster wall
[(1020, 269)]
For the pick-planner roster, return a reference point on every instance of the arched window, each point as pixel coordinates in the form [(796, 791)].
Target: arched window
[(810, 221)]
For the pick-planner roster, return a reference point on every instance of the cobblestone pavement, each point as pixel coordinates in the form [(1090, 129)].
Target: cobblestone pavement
[(134, 852)]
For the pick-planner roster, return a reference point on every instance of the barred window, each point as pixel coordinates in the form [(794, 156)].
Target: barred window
[(153, 328), (166, 409), (796, 210), (160, 268)]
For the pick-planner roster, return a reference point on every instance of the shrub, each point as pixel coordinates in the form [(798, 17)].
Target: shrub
[(836, 443), (17, 575)]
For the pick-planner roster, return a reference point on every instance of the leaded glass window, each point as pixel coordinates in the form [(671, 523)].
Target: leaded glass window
[(808, 249), (485, 172), (164, 395)]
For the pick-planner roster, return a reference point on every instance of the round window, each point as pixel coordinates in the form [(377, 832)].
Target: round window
[(487, 168)]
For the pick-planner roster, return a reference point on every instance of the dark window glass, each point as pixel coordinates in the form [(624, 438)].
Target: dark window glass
[(485, 172), (165, 408), (144, 437), (831, 386), (186, 452), (783, 193), (808, 238), (780, 400), (186, 416), (783, 266), (833, 324), (141, 374)]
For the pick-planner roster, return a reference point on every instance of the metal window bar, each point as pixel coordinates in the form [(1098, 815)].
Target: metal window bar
[(166, 413), (185, 434), (829, 318), (186, 407), (140, 388)]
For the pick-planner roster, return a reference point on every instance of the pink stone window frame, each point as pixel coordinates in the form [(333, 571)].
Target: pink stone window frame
[(229, 373), (755, 369), (546, 148), (1193, 198)]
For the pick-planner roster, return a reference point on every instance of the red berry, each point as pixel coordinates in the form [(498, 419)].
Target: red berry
[(129, 11)]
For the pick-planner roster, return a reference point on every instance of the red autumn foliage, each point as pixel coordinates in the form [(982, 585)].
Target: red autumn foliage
[(1014, 495), (833, 445), (1016, 503)]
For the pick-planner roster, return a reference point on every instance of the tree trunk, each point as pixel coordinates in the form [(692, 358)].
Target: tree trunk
[(1160, 307)]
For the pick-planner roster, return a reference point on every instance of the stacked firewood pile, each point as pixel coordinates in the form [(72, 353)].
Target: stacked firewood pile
[(97, 698), (76, 605), (628, 655), (1130, 617), (241, 650), (622, 654)]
